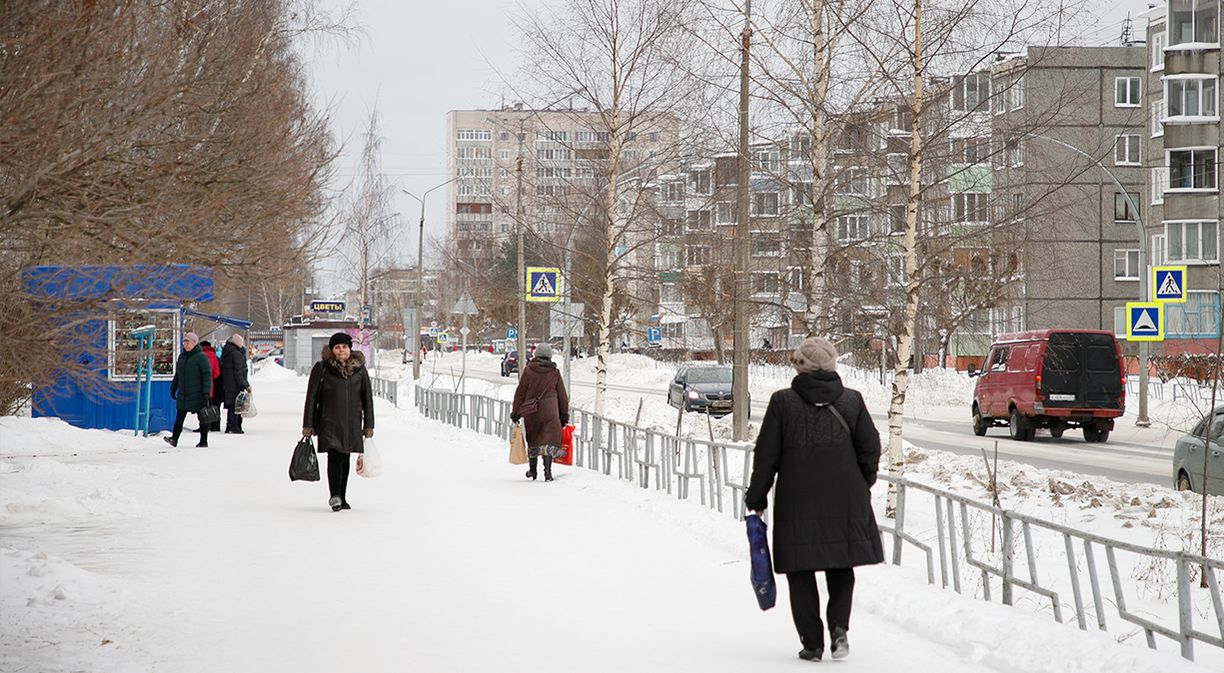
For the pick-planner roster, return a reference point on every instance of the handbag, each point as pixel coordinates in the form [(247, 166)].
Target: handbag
[(530, 406), (304, 466), (209, 414), (370, 463), (567, 446), (518, 447), (762, 576)]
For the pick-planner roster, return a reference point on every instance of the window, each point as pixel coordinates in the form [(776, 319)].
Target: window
[(474, 153), (1160, 178), (726, 212), (700, 181), (765, 283), (894, 270), (765, 204), (766, 247), (504, 155), (698, 219), (1126, 265), (1192, 169), (503, 136), (473, 134), (1126, 151), (672, 226), (591, 136), (1017, 93), (852, 228), (552, 136), (1126, 92), (552, 154), (1158, 116), (1198, 317), (698, 255), (1192, 241), (1193, 22), (852, 180), (653, 136), (123, 350), (1158, 45), (896, 218), (970, 150), (1191, 96), (670, 293), (971, 207), (1159, 250), (1013, 152), (673, 191), (766, 161), (1120, 322), (970, 92), (1123, 212)]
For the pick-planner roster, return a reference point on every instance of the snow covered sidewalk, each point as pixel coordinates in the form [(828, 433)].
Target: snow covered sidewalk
[(119, 554)]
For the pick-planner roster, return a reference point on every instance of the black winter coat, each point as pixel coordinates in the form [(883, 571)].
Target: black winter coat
[(339, 402), (192, 380), (822, 515), (233, 372)]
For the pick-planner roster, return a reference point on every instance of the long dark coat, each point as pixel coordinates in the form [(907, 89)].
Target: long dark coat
[(233, 372), (541, 379), (822, 516), (339, 402), (192, 380)]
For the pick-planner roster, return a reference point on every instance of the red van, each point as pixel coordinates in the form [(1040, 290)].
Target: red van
[(1056, 379)]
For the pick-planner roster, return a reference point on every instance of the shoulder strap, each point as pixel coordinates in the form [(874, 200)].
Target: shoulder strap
[(831, 406)]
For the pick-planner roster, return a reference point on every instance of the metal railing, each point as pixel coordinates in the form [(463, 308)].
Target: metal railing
[(662, 461)]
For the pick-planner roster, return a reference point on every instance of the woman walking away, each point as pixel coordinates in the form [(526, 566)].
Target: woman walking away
[(818, 440), (233, 380), (340, 409), (214, 365), (190, 387), (541, 402)]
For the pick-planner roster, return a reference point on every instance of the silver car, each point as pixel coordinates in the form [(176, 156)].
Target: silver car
[(1188, 456)]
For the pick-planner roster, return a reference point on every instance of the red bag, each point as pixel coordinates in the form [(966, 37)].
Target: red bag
[(567, 445)]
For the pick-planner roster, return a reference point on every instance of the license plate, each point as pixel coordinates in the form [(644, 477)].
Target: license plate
[(721, 404), (1061, 397)]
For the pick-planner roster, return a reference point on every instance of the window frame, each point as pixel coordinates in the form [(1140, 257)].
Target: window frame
[(1182, 80), (1132, 143), (1131, 273), (1121, 205), (1215, 186), (1158, 47), (1193, 43), (1198, 258), (1134, 89)]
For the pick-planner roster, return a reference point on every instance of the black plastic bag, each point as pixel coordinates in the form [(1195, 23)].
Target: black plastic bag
[(305, 464)]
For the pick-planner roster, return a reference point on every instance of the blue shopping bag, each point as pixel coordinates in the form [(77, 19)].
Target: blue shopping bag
[(762, 567)]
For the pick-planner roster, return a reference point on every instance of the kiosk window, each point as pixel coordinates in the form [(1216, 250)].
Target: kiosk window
[(123, 348)]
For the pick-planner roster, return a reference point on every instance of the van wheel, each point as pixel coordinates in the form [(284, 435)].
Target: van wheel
[(1018, 429), (1056, 431), (1183, 482), (979, 424), (1095, 435)]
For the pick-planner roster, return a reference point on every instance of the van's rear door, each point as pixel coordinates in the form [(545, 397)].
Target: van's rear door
[(1081, 371)]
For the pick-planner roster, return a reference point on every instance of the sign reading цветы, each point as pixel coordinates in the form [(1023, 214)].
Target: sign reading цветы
[(327, 306)]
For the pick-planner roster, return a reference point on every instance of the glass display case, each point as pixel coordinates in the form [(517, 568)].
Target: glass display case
[(123, 348)]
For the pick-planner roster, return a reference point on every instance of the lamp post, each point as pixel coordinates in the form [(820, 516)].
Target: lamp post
[(420, 288), (1144, 347)]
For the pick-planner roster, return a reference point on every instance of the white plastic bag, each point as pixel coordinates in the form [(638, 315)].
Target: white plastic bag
[(244, 404), (369, 464)]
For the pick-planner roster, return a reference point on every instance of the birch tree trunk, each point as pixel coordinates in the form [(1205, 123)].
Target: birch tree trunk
[(605, 306), (905, 337)]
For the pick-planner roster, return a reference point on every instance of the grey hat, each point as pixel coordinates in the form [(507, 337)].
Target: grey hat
[(192, 337), (813, 355), (543, 351)]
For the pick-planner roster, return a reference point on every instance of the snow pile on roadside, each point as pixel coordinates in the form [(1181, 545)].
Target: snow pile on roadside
[(273, 372), (51, 436)]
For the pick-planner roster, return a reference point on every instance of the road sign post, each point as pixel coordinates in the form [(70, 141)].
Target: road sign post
[(466, 307)]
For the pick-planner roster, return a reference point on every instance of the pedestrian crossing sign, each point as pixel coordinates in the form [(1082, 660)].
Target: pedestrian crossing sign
[(1145, 321), (542, 283), (1169, 283)]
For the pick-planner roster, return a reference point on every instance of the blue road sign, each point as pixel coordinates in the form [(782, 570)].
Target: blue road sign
[(511, 333), (1169, 283), (1144, 321), (654, 334), (542, 283)]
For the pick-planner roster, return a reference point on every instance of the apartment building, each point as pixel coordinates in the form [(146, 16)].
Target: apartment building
[(1181, 147)]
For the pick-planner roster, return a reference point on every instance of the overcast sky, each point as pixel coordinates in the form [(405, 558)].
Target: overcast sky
[(418, 59)]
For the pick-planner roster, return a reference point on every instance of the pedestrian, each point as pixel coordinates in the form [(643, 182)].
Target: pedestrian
[(818, 439), (340, 410), (214, 366), (234, 380), (540, 386), (190, 387)]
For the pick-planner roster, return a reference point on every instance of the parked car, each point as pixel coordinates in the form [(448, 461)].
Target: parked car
[(509, 363), (702, 388), (1054, 379), (1188, 456)]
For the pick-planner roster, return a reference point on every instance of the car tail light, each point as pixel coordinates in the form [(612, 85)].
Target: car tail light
[(1037, 382)]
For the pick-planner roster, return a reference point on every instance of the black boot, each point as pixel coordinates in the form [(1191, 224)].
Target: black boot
[(531, 468), (841, 646), (548, 469)]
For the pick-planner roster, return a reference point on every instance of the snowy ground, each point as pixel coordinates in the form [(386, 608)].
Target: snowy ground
[(119, 554)]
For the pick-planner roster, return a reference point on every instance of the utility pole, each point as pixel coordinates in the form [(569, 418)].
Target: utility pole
[(739, 365), (518, 226), (420, 284)]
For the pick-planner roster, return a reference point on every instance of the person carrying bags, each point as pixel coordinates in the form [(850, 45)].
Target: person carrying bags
[(540, 400), (340, 410)]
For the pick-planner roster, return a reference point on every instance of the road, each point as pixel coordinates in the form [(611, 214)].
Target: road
[(1117, 459)]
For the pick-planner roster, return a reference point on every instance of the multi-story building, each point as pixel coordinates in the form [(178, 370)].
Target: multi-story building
[(1181, 147), (392, 291)]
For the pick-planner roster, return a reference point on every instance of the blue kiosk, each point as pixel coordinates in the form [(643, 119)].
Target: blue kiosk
[(138, 333)]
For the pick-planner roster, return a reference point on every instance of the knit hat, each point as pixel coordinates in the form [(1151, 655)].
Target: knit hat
[(236, 339), (340, 338), (813, 355), (543, 352), (192, 337)]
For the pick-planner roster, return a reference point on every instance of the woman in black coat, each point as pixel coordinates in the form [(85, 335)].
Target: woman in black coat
[(233, 380), (818, 439), (340, 410)]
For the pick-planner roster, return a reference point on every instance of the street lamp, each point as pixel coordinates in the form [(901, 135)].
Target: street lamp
[(1144, 352), (420, 289)]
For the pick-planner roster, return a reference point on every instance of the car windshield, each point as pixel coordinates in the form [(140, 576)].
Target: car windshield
[(710, 375)]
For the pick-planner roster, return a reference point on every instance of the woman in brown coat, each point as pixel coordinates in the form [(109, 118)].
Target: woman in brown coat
[(540, 386)]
